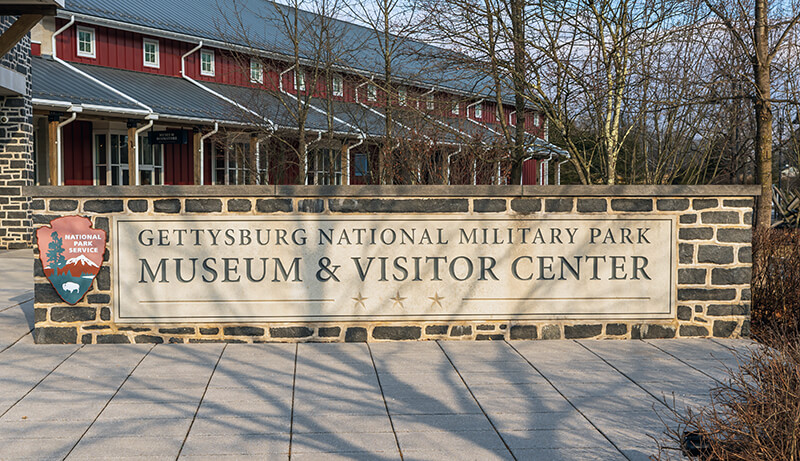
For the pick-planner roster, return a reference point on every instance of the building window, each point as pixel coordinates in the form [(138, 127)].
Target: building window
[(111, 159), (230, 165), (300, 80), (86, 46), (372, 93), (326, 167), (429, 104), (151, 162), (479, 110), (456, 109), (360, 167), (150, 48), (402, 96), (256, 71), (207, 63), (337, 85), (536, 119)]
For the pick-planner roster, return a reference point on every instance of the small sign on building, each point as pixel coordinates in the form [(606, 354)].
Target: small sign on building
[(168, 137)]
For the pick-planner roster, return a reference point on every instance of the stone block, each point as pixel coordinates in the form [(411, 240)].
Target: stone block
[(86, 339), (243, 331), (311, 205), (696, 233), (723, 310), (693, 330), (523, 332), (724, 328), (738, 203), (239, 205), (148, 339), (273, 205), (582, 331), (672, 204), (63, 205), (745, 254), (209, 331), (485, 327), (706, 294), (39, 315), (488, 205), (551, 332), (103, 206), (72, 314), (656, 331), (592, 205), (632, 204), (177, 331), (485, 337), (526, 205), (720, 217), (112, 339), (460, 330), (746, 294), (396, 333), (203, 205), (616, 329), (36, 204), (558, 205), (169, 205), (433, 205), (45, 293), (105, 314), (684, 313), (714, 254), (691, 276), (55, 335), (103, 279), (132, 328), (329, 332), (704, 203), (688, 218), (734, 235), (290, 332), (737, 276), (98, 298), (137, 206), (355, 335), (685, 253), (437, 329)]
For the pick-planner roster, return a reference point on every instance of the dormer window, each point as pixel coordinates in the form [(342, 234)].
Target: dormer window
[(300, 80), (207, 63), (429, 104), (256, 71), (456, 109), (150, 48), (479, 110), (337, 85), (372, 93), (402, 96), (86, 45)]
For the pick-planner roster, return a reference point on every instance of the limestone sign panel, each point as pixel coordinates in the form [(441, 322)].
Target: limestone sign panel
[(392, 267)]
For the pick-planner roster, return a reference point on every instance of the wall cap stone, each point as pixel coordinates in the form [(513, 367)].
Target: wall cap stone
[(391, 191)]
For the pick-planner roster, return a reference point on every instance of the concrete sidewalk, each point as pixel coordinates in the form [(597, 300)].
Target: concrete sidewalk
[(545, 400)]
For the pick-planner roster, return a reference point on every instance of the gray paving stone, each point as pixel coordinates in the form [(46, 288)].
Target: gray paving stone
[(450, 441), (144, 410), (344, 407), (30, 429), (101, 447), (569, 454), (432, 406), (372, 456), (474, 454), (343, 442), (564, 420), (441, 423), (525, 405), (555, 438), (313, 423), (244, 408), (236, 444), (250, 424), (48, 448), (159, 428)]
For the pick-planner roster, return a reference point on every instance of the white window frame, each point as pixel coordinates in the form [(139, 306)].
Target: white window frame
[(300, 80), (157, 63), (92, 42), (372, 92), (479, 110), (156, 168), (402, 96), (320, 173), (256, 66), (430, 103), (536, 119), (456, 110), (337, 81), (212, 72)]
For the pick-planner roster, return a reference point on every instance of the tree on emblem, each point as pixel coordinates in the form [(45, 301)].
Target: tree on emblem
[(55, 252)]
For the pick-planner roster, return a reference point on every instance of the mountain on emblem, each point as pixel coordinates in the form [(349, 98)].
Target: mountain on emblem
[(71, 251)]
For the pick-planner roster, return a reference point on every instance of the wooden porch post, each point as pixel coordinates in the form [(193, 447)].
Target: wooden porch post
[(132, 159), (198, 159), (251, 160), (52, 146)]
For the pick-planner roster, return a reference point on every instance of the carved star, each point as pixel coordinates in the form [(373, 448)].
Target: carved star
[(359, 300), (398, 300), (436, 300)]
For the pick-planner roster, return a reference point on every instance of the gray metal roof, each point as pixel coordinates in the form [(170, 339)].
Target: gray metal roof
[(261, 27)]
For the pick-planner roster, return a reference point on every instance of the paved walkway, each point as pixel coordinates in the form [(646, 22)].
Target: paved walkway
[(545, 400)]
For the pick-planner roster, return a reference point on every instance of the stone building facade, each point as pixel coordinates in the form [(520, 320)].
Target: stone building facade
[(16, 148), (712, 251)]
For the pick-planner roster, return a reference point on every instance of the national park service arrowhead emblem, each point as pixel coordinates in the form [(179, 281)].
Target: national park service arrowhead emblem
[(71, 251)]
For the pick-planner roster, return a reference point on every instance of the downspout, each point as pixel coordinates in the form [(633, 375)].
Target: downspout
[(58, 142), (219, 95), (150, 115), (425, 101), (202, 156), (371, 79), (280, 78), (136, 149), (360, 142), (472, 105), (449, 182)]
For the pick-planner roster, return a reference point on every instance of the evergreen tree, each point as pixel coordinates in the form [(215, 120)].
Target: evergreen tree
[(55, 252)]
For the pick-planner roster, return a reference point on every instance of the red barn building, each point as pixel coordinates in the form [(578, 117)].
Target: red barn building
[(169, 92)]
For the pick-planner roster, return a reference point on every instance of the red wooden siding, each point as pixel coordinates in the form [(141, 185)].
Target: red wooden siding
[(179, 163), (76, 139), (529, 175)]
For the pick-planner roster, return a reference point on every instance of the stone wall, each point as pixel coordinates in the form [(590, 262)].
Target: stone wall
[(16, 149), (713, 247)]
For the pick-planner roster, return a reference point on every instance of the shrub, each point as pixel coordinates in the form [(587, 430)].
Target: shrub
[(776, 283)]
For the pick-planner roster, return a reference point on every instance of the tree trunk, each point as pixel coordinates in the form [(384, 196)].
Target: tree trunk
[(763, 108)]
